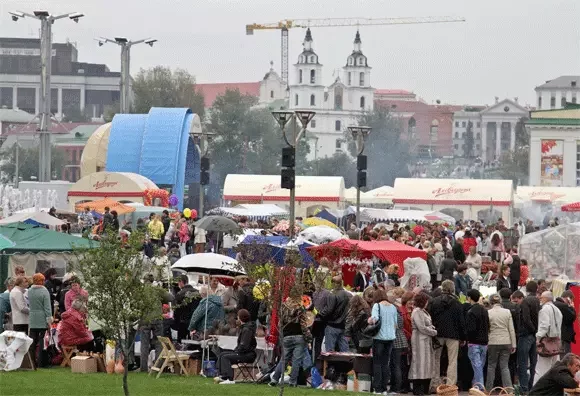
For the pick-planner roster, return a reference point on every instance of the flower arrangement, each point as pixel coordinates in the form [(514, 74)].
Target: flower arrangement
[(150, 195)]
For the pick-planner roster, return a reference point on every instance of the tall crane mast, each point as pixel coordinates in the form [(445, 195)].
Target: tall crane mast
[(287, 24)]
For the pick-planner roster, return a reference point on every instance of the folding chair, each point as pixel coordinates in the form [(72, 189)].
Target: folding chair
[(170, 356), (67, 353), (245, 372)]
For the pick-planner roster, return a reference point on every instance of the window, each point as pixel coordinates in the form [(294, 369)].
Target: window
[(362, 102), (296, 100), (463, 124), (338, 91), (412, 128), (271, 94), (456, 146), (311, 60), (361, 79), (553, 102), (361, 61), (350, 61), (338, 144), (312, 100), (457, 123), (313, 124), (312, 76), (478, 124), (478, 135), (563, 101), (337, 126), (456, 135), (539, 102), (574, 99), (300, 76), (463, 135), (349, 78), (477, 146), (434, 131)]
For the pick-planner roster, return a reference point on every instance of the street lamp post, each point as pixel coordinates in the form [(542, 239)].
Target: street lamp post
[(289, 153), (203, 140), (359, 134), (46, 22), (125, 44)]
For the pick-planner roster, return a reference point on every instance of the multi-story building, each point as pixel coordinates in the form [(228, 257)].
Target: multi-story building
[(554, 94), (75, 86)]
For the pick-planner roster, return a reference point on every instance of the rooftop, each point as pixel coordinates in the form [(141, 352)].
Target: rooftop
[(569, 115), (212, 91), (16, 116), (562, 82)]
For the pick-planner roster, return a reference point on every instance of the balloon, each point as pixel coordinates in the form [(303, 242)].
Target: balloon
[(193, 214), (187, 212), (173, 200)]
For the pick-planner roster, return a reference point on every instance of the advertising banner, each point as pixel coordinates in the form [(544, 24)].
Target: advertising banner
[(552, 163)]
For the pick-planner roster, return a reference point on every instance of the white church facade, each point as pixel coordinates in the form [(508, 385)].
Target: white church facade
[(337, 106)]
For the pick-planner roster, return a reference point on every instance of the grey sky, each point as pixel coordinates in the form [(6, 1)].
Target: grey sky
[(505, 48)]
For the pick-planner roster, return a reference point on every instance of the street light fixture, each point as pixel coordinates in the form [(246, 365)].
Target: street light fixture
[(46, 22), (288, 173), (202, 140), (359, 134), (125, 45)]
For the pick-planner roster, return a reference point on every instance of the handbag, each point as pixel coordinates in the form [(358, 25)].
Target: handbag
[(550, 346), (373, 329)]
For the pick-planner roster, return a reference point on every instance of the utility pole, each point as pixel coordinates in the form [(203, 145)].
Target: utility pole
[(125, 85), (46, 22), (17, 165)]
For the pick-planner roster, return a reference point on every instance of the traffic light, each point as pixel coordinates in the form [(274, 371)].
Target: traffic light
[(204, 165), (361, 178), (288, 178), (204, 175), (361, 162), (288, 157)]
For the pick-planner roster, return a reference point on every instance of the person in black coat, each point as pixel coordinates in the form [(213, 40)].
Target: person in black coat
[(458, 253), (245, 351), (477, 334), (503, 280), (559, 377), (360, 279), (565, 304), (515, 269), (448, 266), (186, 301)]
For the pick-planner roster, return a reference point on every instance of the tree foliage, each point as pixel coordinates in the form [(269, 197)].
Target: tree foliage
[(28, 159), (522, 133), (469, 141), (162, 87), (112, 274), (340, 164), (75, 114), (515, 165), (388, 154)]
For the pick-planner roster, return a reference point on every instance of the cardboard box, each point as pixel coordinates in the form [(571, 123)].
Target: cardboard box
[(83, 364)]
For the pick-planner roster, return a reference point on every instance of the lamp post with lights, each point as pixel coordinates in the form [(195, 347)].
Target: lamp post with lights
[(359, 134)]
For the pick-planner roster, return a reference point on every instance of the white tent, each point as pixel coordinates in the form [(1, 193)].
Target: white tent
[(38, 217), (467, 199), (561, 195), (379, 196), (252, 211)]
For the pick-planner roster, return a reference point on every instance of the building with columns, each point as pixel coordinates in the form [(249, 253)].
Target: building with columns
[(75, 86), (555, 147), (338, 105), (554, 94), (493, 127)]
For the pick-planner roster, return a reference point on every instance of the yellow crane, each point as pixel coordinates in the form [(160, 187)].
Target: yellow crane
[(286, 24)]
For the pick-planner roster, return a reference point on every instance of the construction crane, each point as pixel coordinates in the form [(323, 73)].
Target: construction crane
[(286, 24)]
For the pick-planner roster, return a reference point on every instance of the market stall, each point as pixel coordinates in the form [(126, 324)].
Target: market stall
[(463, 199), (313, 193), (382, 196), (34, 218), (553, 252), (119, 186), (253, 212), (551, 195)]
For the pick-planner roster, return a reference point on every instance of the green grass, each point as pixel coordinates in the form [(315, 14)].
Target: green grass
[(57, 381)]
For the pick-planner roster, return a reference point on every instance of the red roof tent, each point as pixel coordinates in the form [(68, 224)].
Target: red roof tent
[(572, 207), (212, 91), (394, 252)]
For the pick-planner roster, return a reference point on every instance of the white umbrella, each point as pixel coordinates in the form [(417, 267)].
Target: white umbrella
[(321, 234), (210, 264)]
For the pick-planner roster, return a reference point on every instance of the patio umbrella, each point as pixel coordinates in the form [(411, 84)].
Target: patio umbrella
[(571, 207), (317, 221), (217, 223), (321, 234), (5, 243), (209, 264)]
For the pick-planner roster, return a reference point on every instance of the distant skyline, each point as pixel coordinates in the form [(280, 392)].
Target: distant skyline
[(505, 48)]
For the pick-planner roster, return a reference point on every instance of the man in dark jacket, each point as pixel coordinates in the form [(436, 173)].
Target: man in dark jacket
[(515, 269), (448, 318), (246, 298), (166, 220), (477, 334), (186, 301), (458, 253), (565, 304), (527, 328), (559, 377), (245, 351), (448, 266), (334, 315)]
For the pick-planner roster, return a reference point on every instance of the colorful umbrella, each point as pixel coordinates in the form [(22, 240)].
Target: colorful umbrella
[(572, 207), (317, 221), (284, 225)]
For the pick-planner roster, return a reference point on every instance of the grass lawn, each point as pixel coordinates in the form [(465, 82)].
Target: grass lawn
[(58, 381)]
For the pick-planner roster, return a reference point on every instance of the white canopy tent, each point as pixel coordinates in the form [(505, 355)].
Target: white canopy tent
[(467, 199), (312, 192), (554, 195), (37, 217), (379, 196)]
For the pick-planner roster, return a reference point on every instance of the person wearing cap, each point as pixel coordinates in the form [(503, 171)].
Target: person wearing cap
[(549, 326)]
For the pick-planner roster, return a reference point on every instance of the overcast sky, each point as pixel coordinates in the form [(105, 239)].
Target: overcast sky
[(506, 47)]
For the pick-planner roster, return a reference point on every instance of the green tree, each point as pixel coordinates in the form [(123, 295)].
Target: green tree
[(162, 87), (75, 114), (112, 273), (469, 141), (247, 138), (387, 153), (110, 111), (522, 133), (28, 159), (340, 164), (515, 165)]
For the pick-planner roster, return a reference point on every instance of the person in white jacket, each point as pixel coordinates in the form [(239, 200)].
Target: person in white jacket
[(19, 306), (549, 325)]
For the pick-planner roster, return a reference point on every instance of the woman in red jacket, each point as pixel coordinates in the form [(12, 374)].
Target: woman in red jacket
[(72, 328), (468, 241)]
